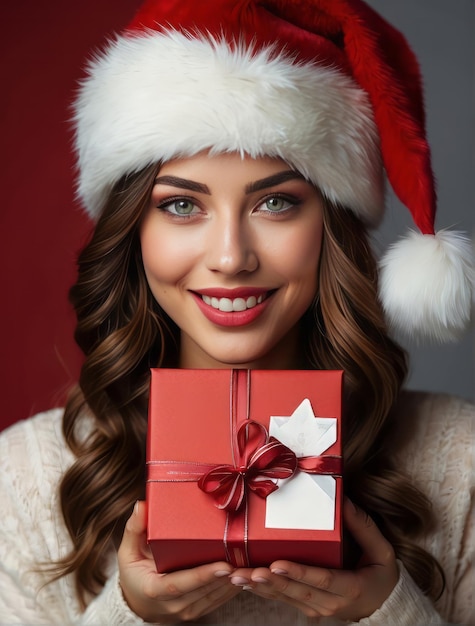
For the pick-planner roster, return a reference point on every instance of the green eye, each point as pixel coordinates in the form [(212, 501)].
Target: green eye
[(183, 207), (180, 207), (276, 204)]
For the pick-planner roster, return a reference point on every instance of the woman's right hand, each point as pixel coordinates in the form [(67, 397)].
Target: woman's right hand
[(167, 598)]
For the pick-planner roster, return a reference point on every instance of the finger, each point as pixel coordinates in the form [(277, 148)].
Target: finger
[(376, 549), (241, 576), (311, 601), (269, 593), (154, 607), (134, 545), (200, 579), (174, 602), (305, 593), (209, 602), (328, 581), (134, 549), (298, 591)]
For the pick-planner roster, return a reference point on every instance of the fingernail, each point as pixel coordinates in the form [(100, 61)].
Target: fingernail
[(281, 572), (259, 579), (239, 581), (221, 573), (247, 587), (136, 507)]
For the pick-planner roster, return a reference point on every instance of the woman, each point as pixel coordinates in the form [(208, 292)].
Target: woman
[(232, 183)]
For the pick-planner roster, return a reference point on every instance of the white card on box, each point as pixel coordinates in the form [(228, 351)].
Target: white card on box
[(305, 501)]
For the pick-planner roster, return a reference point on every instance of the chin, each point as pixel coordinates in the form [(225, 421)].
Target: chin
[(237, 358), (252, 360), (244, 362)]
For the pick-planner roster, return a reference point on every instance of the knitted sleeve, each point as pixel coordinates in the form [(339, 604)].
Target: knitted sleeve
[(436, 448), (406, 606), (33, 457), (439, 457)]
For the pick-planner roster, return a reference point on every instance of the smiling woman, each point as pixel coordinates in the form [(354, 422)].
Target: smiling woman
[(232, 157), (231, 255)]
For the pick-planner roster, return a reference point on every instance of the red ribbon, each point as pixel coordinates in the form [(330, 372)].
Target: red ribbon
[(261, 459)]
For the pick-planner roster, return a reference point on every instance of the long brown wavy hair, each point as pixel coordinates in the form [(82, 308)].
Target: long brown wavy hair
[(123, 332)]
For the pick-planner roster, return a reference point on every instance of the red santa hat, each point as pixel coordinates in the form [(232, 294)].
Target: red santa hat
[(326, 85)]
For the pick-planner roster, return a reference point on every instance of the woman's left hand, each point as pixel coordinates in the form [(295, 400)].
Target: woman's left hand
[(330, 592)]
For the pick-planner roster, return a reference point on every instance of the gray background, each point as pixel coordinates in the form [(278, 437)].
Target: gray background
[(442, 34)]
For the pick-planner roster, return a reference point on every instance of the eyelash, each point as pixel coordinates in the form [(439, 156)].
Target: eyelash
[(165, 204), (291, 200)]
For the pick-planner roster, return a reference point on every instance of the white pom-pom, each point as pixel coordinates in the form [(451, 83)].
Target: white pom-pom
[(426, 285)]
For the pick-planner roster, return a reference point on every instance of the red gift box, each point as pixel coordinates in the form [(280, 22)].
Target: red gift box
[(207, 448)]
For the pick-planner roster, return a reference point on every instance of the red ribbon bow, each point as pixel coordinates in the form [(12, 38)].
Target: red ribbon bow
[(262, 459)]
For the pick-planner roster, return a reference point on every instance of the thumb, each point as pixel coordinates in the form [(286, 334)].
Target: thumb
[(376, 548), (134, 545), (137, 522)]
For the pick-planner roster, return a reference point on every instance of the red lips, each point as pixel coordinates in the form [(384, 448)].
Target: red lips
[(232, 318)]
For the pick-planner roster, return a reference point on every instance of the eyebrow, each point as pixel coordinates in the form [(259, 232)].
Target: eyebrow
[(275, 179), (182, 183), (258, 185)]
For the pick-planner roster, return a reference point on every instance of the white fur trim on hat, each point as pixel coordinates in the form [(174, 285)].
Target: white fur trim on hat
[(426, 284), (161, 95)]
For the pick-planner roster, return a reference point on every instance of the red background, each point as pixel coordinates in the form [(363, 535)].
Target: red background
[(43, 49)]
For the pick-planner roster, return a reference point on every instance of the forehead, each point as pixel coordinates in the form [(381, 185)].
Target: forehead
[(231, 170)]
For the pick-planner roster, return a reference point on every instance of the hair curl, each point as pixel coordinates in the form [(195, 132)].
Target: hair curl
[(123, 332), (346, 330)]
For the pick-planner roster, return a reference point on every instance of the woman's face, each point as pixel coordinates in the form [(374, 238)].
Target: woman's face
[(231, 248)]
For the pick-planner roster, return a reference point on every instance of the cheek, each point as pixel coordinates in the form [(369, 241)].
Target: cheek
[(300, 254), (164, 259)]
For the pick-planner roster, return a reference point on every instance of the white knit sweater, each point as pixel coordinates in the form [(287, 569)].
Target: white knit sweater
[(435, 447)]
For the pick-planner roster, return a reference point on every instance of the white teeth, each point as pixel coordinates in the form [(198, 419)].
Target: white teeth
[(237, 304), (225, 304)]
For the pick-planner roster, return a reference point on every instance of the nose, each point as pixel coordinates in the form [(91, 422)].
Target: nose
[(231, 246)]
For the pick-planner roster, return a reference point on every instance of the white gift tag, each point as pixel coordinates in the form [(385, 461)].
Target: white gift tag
[(305, 501)]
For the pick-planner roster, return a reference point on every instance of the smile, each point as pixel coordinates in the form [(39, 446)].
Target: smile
[(229, 305), (233, 307)]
